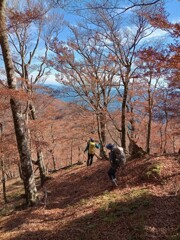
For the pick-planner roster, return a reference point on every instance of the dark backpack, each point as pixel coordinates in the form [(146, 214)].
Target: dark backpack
[(118, 158)]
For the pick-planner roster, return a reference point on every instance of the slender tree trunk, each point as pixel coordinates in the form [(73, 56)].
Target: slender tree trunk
[(71, 157), (165, 132), (148, 138), (132, 122), (54, 161), (103, 127), (32, 111), (79, 154), (2, 164), (161, 139), (19, 123), (3, 181), (123, 118), (101, 123), (53, 147), (149, 132), (130, 109), (41, 166)]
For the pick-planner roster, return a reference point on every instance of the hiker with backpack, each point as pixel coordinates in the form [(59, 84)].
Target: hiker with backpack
[(91, 146), (117, 159)]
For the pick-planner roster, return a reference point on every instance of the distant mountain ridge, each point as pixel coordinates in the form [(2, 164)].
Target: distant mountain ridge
[(58, 92)]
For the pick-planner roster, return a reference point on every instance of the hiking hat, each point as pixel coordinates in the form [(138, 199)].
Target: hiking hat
[(109, 146)]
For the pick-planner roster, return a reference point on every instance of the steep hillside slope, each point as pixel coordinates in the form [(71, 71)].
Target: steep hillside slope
[(82, 204)]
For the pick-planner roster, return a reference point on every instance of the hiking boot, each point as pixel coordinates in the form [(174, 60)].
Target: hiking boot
[(115, 182)]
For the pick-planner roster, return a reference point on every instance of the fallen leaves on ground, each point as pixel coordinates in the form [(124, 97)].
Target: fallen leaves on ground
[(82, 204)]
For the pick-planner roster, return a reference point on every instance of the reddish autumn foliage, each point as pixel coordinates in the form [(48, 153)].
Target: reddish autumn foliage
[(25, 17), (173, 52)]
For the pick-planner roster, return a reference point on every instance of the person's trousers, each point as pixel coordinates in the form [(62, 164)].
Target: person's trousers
[(90, 159), (112, 173)]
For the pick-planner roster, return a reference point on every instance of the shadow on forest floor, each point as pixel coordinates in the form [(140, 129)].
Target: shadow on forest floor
[(82, 204)]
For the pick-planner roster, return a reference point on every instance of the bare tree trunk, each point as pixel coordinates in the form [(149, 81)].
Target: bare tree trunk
[(54, 161), (173, 142), (101, 123), (165, 132), (161, 138), (24, 153), (19, 123), (2, 165), (71, 157), (79, 154), (40, 159), (41, 166), (149, 132), (32, 111), (123, 118), (103, 126), (150, 104), (52, 149), (103, 133), (3, 181), (20, 171)]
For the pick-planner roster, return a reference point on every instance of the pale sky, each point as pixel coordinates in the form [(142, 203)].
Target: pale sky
[(173, 7)]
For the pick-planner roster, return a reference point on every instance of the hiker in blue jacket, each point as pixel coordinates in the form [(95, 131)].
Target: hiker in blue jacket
[(90, 147), (117, 159)]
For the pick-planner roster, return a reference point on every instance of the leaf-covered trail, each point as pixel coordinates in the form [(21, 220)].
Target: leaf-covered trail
[(82, 204)]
